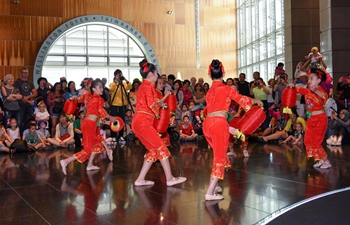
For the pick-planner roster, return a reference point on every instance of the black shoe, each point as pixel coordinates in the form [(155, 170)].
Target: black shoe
[(261, 140)]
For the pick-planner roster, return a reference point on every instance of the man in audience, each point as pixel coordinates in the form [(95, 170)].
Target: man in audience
[(193, 83), (243, 85)]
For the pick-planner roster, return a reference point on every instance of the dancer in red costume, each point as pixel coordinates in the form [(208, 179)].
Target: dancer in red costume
[(216, 128), (93, 141), (147, 109), (316, 125)]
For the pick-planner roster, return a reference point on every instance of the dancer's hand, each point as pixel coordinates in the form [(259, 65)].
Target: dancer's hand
[(290, 85), (112, 119), (258, 102)]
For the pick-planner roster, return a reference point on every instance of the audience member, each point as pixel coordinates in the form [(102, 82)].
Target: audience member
[(5, 140), (279, 69), (42, 113), (133, 92), (64, 135), (29, 93), (78, 135), (206, 88), (243, 85), (280, 86), (13, 130), (33, 139), (55, 99), (187, 132), (341, 126), (297, 137), (43, 132), (300, 105), (43, 90), (11, 99), (192, 86), (169, 85), (272, 95), (186, 93)]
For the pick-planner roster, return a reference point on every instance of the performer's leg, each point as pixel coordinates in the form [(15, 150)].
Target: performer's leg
[(90, 165), (65, 162), (140, 181)]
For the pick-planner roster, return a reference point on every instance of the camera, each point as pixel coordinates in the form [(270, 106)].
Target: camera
[(256, 83), (121, 78)]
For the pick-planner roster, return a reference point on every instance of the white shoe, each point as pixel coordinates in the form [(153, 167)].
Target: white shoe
[(176, 180), (318, 164), (89, 168), (326, 164), (337, 143), (213, 197), (329, 140), (144, 183), (230, 153), (218, 189), (64, 167), (245, 153)]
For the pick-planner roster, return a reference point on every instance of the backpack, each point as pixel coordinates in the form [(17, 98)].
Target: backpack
[(331, 106)]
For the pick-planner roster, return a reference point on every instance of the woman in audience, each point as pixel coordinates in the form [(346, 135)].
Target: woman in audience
[(206, 88), (43, 90), (55, 99), (72, 91), (186, 92), (11, 96), (341, 126), (179, 101), (133, 92)]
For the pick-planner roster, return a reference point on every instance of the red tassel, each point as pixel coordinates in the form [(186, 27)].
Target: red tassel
[(70, 106), (162, 124), (251, 121), (289, 99), (171, 102)]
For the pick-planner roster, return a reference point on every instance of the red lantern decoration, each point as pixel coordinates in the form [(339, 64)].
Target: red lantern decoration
[(117, 125), (289, 99), (161, 124), (250, 122), (170, 101), (70, 106)]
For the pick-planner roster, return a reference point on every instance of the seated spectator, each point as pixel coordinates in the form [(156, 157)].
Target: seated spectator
[(341, 128), (185, 111), (297, 137), (33, 139), (187, 132), (64, 136), (13, 130), (344, 86), (195, 113), (43, 133), (277, 122), (128, 120), (288, 129), (78, 135), (26, 131), (5, 140)]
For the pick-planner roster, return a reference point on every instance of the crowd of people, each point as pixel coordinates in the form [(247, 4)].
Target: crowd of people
[(36, 115)]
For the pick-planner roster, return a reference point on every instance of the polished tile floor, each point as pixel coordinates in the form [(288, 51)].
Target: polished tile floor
[(33, 190)]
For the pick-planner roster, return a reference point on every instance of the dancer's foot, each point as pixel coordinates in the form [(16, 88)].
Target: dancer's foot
[(64, 166), (217, 189), (213, 197), (92, 168), (144, 183), (176, 180)]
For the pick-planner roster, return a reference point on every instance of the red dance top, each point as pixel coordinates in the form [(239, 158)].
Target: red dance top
[(313, 101), (146, 99), (158, 94), (95, 107), (219, 97)]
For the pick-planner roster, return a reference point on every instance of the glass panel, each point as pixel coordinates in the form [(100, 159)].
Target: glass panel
[(263, 72), (249, 74), (54, 60), (262, 18), (97, 40), (135, 73), (279, 43), (249, 54), (76, 60), (97, 72), (135, 61), (256, 52), (270, 46), (270, 16), (53, 74), (76, 74), (97, 61), (279, 12), (248, 23), (134, 49), (262, 49), (254, 21), (118, 61), (271, 66)]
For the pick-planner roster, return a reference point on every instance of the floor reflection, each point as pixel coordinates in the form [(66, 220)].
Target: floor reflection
[(264, 178)]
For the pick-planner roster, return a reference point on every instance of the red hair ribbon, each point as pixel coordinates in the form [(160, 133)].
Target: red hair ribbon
[(89, 83), (210, 68), (145, 67), (222, 68), (319, 74)]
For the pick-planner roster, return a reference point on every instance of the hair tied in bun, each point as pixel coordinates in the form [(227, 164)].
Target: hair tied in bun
[(210, 69), (222, 67), (145, 67)]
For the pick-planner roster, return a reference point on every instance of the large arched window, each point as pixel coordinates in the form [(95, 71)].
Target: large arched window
[(94, 48)]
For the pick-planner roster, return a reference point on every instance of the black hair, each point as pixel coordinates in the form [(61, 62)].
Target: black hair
[(40, 79), (171, 77), (183, 118), (117, 72), (128, 110), (229, 79), (135, 81), (216, 69), (84, 81), (31, 125), (94, 84), (280, 64), (53, 89), (186, 81), (319, 73), (146, 67), (70, 82), (242, 74)]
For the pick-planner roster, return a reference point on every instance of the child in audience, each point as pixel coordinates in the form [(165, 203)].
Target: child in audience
[(43, 132), (26, 131), (128, 120), (186, 130), (185, 111), (195, 114), (78, 135), (315, 58), (13, 130), (33, 139), (42, 114), (5, 140), (298, 136)]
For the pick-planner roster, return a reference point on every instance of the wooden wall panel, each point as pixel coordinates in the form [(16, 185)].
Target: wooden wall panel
[(25, 26)]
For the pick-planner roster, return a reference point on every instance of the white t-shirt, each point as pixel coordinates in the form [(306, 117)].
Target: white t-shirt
[(13, 133), (42, 115), (44, 134)]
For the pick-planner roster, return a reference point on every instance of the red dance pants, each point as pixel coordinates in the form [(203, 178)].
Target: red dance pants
[(316, 127), (92, 140), (217, 134), (142, 126)]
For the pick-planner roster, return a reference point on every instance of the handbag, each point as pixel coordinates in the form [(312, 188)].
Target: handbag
[(64, 137), (57, 107), (19, 146)]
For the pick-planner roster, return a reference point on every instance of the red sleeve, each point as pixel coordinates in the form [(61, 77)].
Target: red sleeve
[(303, 91), (244, 101), (101, 110), (151, 103)]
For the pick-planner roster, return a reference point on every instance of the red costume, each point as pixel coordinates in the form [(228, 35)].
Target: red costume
[(164, 136), (92, 139), (147, 109), (316, 125), (216, 128)]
